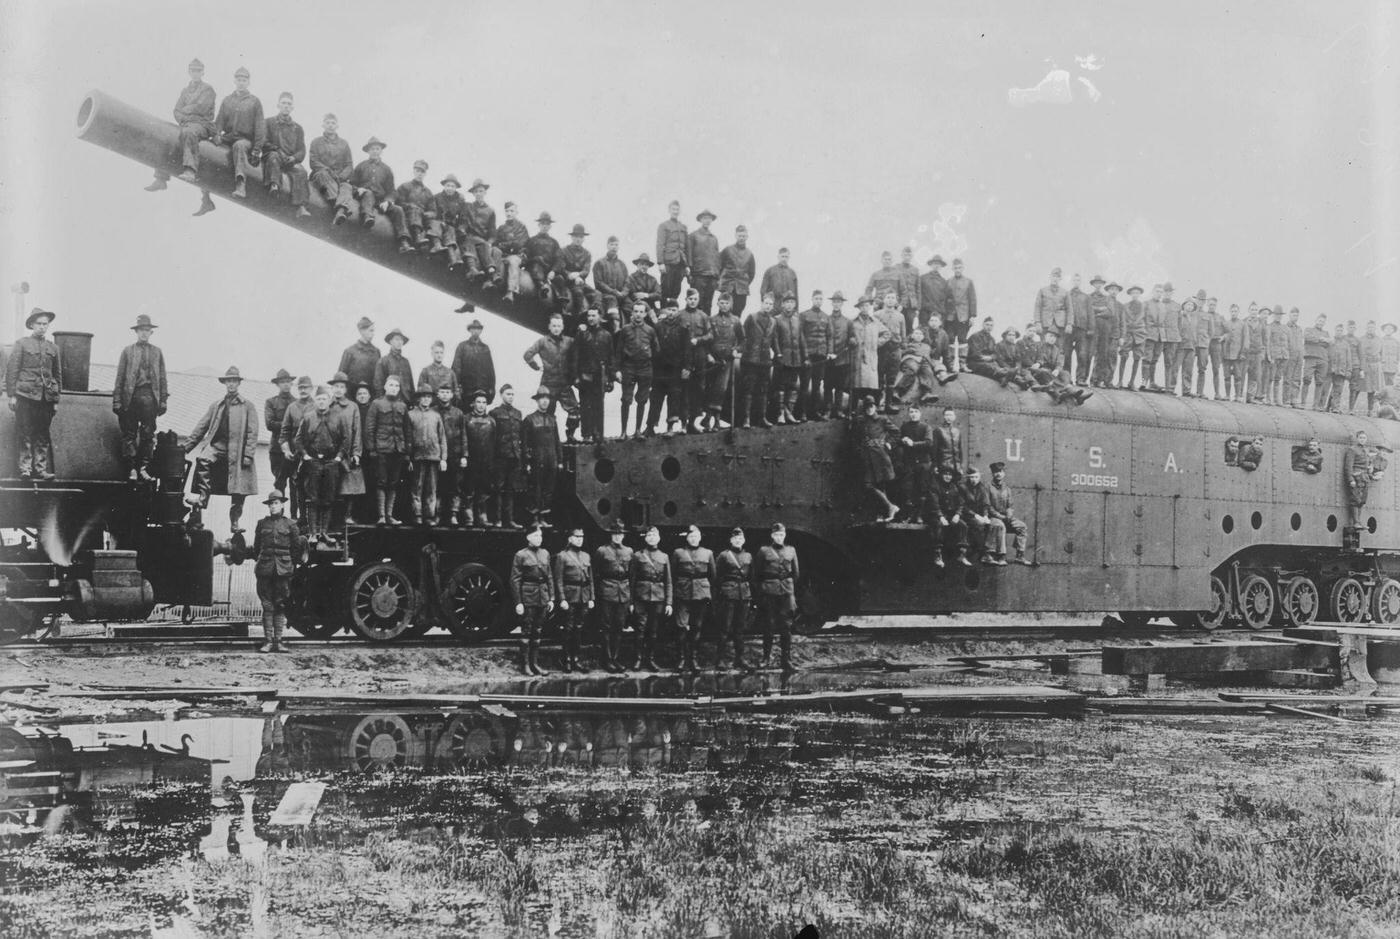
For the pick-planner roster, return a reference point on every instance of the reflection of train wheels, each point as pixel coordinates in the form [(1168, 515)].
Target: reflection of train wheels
[(1257, 602), (381, 602), (379, 742), (1136, 619), (1212, 618), (1301, 601), (475, 741), (1348, 601), (1385, 601), (475, 599)]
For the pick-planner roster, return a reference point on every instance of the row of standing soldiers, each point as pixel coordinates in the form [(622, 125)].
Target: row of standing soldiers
[(650, 587)]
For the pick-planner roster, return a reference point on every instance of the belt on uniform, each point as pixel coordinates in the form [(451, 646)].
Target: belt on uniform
[(575, 583), (321, 456)]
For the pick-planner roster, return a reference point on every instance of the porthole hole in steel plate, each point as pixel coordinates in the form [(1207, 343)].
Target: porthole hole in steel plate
[(1331, 523), (1296, 522), (1371, 524), (669, 510), (1256, 521), (671, 469), (604, 506), (1227, 524), (604, 470)]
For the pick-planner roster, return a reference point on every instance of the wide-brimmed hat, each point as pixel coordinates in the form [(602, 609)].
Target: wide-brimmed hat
[(1113, 284), (578, 230), (642, 260), (936, 259), (232, 374), (451, 178), (396, 332), (617, 528), (1097, 279), (374, 142), (340, 378), (282, 375), (143, 322), (546, 218), (274, 496), (364, 322), (704, 213), (420, 165), (838, 295), (542, 393), (37, 315), (424, 389), (479, 183), (475, 324)]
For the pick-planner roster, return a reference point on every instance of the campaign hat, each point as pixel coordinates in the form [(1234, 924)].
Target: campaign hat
[(578, 230), (838, 295), (364, 323), (475, 324), (144, 322), (420, 165), (241, 72), (617, 528), (704, 213), (340, 378), (396, 332), (374, 142), (479, 183), (642, 260), (451, 178), (38, 314), (282, 375), (937, 260), (1097, 279), (274, 496), (542, 393), (232, 374), (545, 217)]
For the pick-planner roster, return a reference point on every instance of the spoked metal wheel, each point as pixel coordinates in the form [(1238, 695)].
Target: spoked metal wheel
[(1256, 601), (475, 741), (1212, 618), (1348, 601), (379, 742), (476, 602), (1385, 601), (1301, 601), (381, 602)]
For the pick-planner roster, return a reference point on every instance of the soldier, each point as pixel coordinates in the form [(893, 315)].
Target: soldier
[(642, 286), (1357, 472), (1232, 344), (756, 366), (733, 575), (283, 150), (194, 116), (34, 382), (1309, 459), (533, 588), (776, 572), (436, 375), (962, 303), (573, 585), (1208, 331), (1371, 365), (1154, 323), (543, 456), (870, 432), (223, 442), (359, 476), (274, 413), (479, 468), (1339, 367), (788, 356), (575, 261), (331, 168), (672, 245), (1275, 357), (1007, 357), (886, 278), (1188, 324), (867, 336), (651, 595), (950, 497), (394, 363), (838, 368), (1215, 351), (476, 232), (454, 427), (673, 347), (780, 279), (921, 370), (697, 361), (388, 436), (139, 396), (1079, 343), (1291, 379), (1254, 356), (512, 240), (1357, 379), (1134, 337), (702, 257), (737, 270), (1390, 355), (593, 369), (1171, 337), (936, 301), (472, 364), (552, 356), (360, 361), (1315, 346), (614, 566), (278, 546), (510, 457), (299, 408), (908, 287), (408, 214), (322, 445), (916, 462), (610, 282), (981, 354), (240, 125), (726, 341), (816, 354), (694, 570), (427, 451), (985, 532), (892, 319), (947, 442), (636, 348), (1051, 312), (1107, 330), (372, 182), (1001, 508)]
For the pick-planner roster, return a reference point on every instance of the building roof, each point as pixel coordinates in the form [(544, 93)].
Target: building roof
[(190, 396)]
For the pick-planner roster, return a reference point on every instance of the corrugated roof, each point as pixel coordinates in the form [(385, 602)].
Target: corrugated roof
[(190, 397)]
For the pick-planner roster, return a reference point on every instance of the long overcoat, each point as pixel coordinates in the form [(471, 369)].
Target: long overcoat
[(243, 424)]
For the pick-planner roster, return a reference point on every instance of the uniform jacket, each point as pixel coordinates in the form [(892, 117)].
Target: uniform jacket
[(1209, 329), (936, 298), (1007, 354), (614, 566), (1051, 308), (737, 269), (1079, 310), (241, 117), (242, 440), (1135, 321), (1275, 343), (1390, 355), (886, 278), (1188, 324), (530, 578), (576, 259), (908, 289), (573, 575), (734, 574), (510, 438), (1235, 338), (275, 412), (610, 277), (672, 242), (962, 300), (636, 347), (277, 545), (940, 343), (778, 280), (437, 376), (843, 338), (512, 236), (292, 420), (543, 250), (1371, 360), (950, 498), (947, 447), (999, 500), (475, 370), (554, 355), (1356, 463), (1340, 360), (539, 433), (788, 348), (697, 326), (34, 370), (393, 363), (975, 497), (415, 193), (479, 432), (893, 321), (359, 361), (694, 572), (649, 288), (195, 105), (142, 361), (352, 480), (451, 209), (322, 435), (1155, 319), (285, 137), (479, 219), (1105, 313), (776, 570), (332, 155), (375, 176), (921, 452), (1315, 343), (651, 576), (427, 441), (673, 346), (593, 355), (1253, 336), (1355, 342), (758, 338), (816, 336), (981, 347), (386, 427), (726, 335), (703, 254), (454, 428)]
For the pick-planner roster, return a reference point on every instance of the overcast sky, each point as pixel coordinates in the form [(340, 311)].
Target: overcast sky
[(1250, 152)]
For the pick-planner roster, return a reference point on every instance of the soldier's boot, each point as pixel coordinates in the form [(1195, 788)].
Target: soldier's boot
[(785, 643), (435, 245), (269, 643), (43, 470), (404, 246), (454, 257), (767, 650), (790, 409), (962, 558), (390, 498), (508, 510), (279, 630), (687, 651), (526, 666), (567, 647), (648, 650)]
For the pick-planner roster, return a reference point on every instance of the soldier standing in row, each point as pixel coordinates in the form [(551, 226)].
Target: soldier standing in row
[(360, 361), (1316, 342), (543, 456), (673, 348), (610, 283), (726, 337), (694, 569), (387, 445), (274, 413), (1340, 363), (733, 582), (737, 270), (509, 479), (702, 258), (139, 396), (552, 356), (532, 585), (323, 446), (593, 370), (479, 433), (427, 450), (788, 359), (636, 348), (962, 303), (284, 149), (1107, 314), (672, 243), (33, 383), (651, 595), (473, 365), (454, 426), (780, 280), (437, 376), (776, 571), (614, 566), (838, 369), (278, 546), (816, 353), (697, 360), (301, 405), (756, 366), (223, 443), (573, 585)]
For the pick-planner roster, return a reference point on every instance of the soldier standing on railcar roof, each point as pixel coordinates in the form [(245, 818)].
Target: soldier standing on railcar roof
[(961, 304), (360, 360), (543, 457), (636, 347), (702, 255), (726, 341), (756, 366), (737, 270), (697, 360), (34, 382), (673, 348), (510, 457), (788, 356), (532, 585), (1357, 472), (936, 302), (651, 595), (274, 413), (139, 396), (479, 432), (283, 149), (278, 546), (694, 569), (573, 586), (229, 430), (291, 420), (1134, 338), (780, 279), (613, 562), (473, 365), (776, 572), (672, 245), (592, 369), (733, 583), (323, 445)]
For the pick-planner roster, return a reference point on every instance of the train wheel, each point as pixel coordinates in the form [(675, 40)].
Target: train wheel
[(379, 742), (1348, 601), (315, 630), (1136, 620), (1211, 619), (381, 602), (474, 742), (1385, 601), (1301, 601), (1257, 602), (476, 602)]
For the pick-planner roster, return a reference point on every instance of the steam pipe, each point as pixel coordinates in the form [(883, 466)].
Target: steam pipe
[(111, 123)]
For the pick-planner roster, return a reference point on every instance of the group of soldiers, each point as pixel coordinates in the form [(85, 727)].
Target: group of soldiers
[(652, 587)]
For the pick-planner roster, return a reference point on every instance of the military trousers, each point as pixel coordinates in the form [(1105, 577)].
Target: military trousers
[(690, 615), (389, 469), (1291, 380), (1217, 360), (1152, 354), (138, 426), (190, 136), (1314, 374), (1336, 397), (838, 383), (339, 193), (706, 284), (278, 463), (543, 475), (1083, 343), (321, 479), (424, 494), (1254, 375), (1103, 356), (666, 389), (407, 220), (240, 157), (813, 381), (671, 277), (754, 379), (694, 390), (298, 184), (1185, 365), (614, 617), (32, 422), (274, 592), (717, 383), (636, 386), (590, 397), (739, 301), (777, 612), (369, 205), (532, 622)]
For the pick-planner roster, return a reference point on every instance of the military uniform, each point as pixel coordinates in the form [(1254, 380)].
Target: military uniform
[(1188, 325), (331, 166), (194, 114), (737, 269), (636, 348), (936, 303), (437, 376), (614, 566), (278, 545), (1080, 342), (733, 576), (1255, 373), (1315, 345), (1104, 327), (1134, 337), (274, 413), (651, 593), (139, 396), (593, 369), (916, 460), (702, 253), (573, 584), (394, 363), (476, 229), (34, 379), (446, 219), (240, 124), (672, 245), (413, 203), (696, 361), (982, 359), (230, 429), (999, 503), (509, 477), (360, 363), (1340, 364), (542, 452), (816, 346), (556, 359), (532, 585), (511, 239), (953, 525), (673, 346), (375, 183), (1051, 312), (838, 371), (387, 437), (284, 149), (322, 444), (789, 354), (694, 571), (987, 536), (962, 304), (542, 260), (454, 427), (575, 264), (642, 286), (610, 282), (478, 479), (778, 280), (755, 369), (726, 335), (474, 368), (1356, 477), (285, 441), (776, 571)]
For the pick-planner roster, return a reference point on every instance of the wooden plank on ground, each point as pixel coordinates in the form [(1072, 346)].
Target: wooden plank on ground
[(157, 692), (377, 698), (1188, 659), (1170, 706), (1317, 700), (1315, 631), (26, 686), (298, 804), (1303, 712)]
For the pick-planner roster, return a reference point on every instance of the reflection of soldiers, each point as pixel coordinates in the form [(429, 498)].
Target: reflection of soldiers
[(651, 594), (1356, 477), (277, 545), (614, 566), (733, 568), (694, 569), (533, 589), (776, 573), (573, 585)]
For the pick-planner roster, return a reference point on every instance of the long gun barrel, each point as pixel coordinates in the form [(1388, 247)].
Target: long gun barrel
[(145, 138)]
